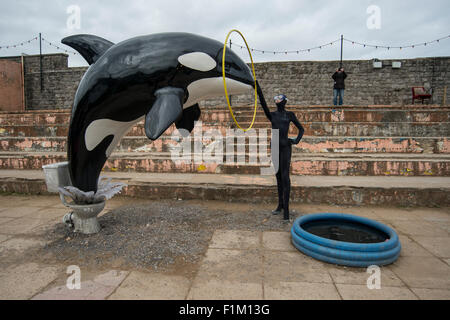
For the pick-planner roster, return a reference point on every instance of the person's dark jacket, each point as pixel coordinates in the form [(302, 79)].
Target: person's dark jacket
[(339, 78)]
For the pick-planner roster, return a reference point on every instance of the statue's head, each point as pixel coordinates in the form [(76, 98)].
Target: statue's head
[(280, 101)]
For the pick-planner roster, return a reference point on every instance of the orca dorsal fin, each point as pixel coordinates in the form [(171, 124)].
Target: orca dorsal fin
[(89, 46)]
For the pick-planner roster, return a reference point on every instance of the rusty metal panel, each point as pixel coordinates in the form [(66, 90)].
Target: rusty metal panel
[(11, 86)]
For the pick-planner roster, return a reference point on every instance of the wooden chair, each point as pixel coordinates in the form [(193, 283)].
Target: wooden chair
[(419, 93)]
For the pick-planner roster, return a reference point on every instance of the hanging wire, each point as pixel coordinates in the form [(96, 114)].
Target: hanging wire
[(395, 47), (291, 51), (348, 40), (298, 51), (18, 44), (58, 47)]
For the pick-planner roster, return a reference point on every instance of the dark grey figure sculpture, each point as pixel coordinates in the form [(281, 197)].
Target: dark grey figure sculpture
[(281, 120), (159, 78)]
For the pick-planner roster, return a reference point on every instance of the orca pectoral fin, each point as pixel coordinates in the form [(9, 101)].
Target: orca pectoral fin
[(188, 118), (166, 110)]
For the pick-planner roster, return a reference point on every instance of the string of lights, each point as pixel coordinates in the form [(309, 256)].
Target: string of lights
[(347, 40), (298, 51), (18, 44), (288, 51), (34, 39), (58, 47), (396, 47)]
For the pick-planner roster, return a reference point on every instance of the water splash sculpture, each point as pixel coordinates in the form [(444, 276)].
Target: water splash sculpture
[(87, 205)]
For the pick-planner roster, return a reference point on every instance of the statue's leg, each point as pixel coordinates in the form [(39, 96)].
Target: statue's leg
[(286, 163), (280, 192)]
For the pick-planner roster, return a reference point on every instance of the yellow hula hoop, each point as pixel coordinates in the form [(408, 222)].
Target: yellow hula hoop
[(225, 84)]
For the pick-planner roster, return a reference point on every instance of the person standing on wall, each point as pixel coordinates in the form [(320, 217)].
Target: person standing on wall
[(339, 85)]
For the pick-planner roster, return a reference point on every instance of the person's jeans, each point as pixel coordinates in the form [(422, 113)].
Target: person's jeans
[(337, 92)]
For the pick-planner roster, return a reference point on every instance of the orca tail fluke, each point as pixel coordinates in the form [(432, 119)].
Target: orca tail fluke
[(89, 46)]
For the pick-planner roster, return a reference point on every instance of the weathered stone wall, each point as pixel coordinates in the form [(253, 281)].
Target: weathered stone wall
[(310, 82), (58, 89), (303, 82), (59, 82)]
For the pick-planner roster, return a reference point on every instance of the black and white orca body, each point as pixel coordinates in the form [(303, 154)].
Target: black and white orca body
[(159, 78)]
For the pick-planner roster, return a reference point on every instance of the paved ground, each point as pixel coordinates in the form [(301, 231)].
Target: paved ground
[(240, 258)]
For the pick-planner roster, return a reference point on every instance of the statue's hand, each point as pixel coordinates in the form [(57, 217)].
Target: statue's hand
[(292, 141)]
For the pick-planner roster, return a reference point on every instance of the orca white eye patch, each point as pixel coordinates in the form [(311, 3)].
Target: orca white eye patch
[(198, 61)]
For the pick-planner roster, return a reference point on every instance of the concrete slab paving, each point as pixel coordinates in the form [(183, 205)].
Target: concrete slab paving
[(300, 291), (225, 290), (25, 280), (432, 294), (20, 244), (361, 292), (433, 215), (97, 289), (444, 225), (238, 264), (89, 290), (42, 201), (234, 239), (48, 213), (399, 214), (370, 214), (294, 267), (232, 265), (275, 240), (4, 237), (23, 226), (10, 201), (111, 278), (151, 286), (439, 246), (411, 248), (422, 272), (18, 212), (348, 275), (5, 219), (424, 228)]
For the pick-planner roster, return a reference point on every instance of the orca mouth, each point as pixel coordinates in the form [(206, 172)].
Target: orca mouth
[(213, 87), (247, 79)]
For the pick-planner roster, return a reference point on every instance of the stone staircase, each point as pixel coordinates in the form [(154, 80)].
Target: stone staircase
[(373, 142)]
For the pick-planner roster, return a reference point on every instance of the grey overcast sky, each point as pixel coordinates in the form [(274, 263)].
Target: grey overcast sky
[(273, 25)]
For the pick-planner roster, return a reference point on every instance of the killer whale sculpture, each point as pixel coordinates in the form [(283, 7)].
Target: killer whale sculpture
[(159, 77)]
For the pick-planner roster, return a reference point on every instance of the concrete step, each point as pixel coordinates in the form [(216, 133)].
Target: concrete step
[(308, 144), (402, 191), (250, 106), (333, 164), (355, 116), (375, 129), (245, 114), (63, 118)]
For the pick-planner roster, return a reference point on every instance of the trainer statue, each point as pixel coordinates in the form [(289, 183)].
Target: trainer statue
[(281, 120)]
